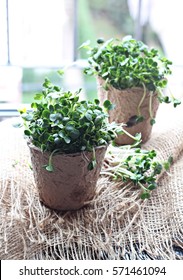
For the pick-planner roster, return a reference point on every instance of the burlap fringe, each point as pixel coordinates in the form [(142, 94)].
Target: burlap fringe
[(116, 224)]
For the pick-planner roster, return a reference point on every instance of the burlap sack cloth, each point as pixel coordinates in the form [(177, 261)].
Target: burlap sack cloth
[(116, 224)]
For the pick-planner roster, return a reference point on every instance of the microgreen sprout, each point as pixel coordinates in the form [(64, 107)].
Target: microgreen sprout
[(49, 167), (137, 165)]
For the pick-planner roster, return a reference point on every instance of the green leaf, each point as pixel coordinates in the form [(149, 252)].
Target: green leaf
[(61, 134), (69, 127), (51, 108), (27, 132), (108, 105), (88, 116), (53, 117), (57, 141), (98, 120), (157, 168), (152, 121), (139, 119), (92, 165), (17, 125), (145, 195), (100, 41), (67, 139), (65, 111), (49, 168), (57, 88), (27, 116), (43, 147), (85, 45), (34, 105), (38, 96), (124, 62), (105, 74), (168, 163), (167, 99), (46, 114), (60, 72), (152, 186), (74, 134), (47, 83), (65, 119), (138, 136), (176, 102), (97, 102), (152, 154)]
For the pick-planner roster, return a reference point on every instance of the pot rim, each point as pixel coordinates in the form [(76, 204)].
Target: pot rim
[(31, 145), (132, 89)]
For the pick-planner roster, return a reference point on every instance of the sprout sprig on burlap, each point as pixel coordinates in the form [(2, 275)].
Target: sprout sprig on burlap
[(142, 167)]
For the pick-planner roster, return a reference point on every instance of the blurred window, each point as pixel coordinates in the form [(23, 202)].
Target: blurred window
[(39, 37)]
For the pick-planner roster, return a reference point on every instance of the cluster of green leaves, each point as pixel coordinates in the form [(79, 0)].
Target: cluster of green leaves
[(145, 168), (58, 121), (128, 63), (142, 168)]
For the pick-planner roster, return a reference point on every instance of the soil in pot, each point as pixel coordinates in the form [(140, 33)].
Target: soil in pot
[(71, 185), (126, 104)]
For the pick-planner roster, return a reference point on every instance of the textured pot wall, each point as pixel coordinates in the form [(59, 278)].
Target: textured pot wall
[(126, 102), (71, 184)]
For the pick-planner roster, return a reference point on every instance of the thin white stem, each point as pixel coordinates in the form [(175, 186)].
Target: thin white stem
[(127, 133), (150, 105), (144, 188), (141, 101)]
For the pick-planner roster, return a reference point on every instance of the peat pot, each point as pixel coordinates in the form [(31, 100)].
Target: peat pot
[(126, 104), (71, 185)]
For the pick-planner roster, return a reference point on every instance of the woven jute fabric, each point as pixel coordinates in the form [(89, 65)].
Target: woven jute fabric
[(115, 224)]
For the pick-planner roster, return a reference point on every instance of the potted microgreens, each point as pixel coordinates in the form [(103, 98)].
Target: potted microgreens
[(132, 76), (68, 139)]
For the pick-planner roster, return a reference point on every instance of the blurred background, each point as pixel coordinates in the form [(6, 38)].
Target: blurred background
[(39, 37)]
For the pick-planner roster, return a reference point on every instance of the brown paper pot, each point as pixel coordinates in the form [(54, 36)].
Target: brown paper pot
[(71, 184), (126, 103)]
